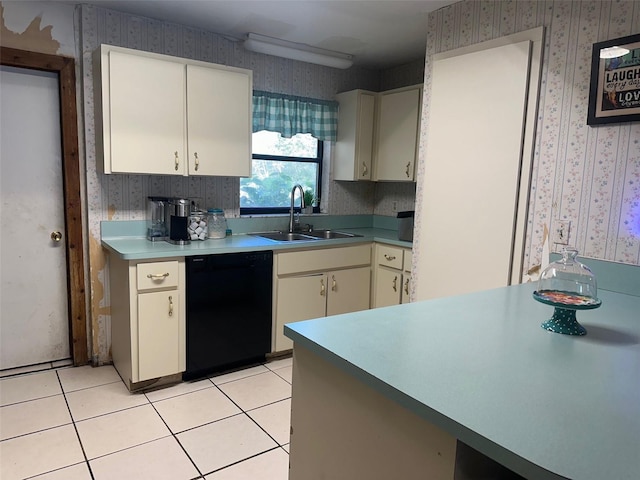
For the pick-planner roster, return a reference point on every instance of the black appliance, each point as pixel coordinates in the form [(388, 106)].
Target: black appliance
[(229, 300), (178, 218)]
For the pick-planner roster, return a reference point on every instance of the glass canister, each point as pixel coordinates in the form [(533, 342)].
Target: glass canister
[(217, 223), (197, 227)]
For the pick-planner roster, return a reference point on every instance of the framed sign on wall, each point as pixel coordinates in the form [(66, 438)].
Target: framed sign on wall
[(614, 96)]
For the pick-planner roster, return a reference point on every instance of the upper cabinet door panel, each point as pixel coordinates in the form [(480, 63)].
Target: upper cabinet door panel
[(147, 115), (354, 145), (398, 126), (219, 121)]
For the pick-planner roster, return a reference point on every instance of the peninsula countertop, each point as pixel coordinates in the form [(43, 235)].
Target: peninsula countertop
[(480, 367)]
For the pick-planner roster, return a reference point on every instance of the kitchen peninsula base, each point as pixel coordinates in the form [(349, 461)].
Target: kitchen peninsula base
[(342, 429)]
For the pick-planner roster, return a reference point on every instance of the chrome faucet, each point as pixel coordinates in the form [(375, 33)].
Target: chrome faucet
[(295, 225)]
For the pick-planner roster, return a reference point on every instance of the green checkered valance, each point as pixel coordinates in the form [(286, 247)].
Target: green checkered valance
[(289, 115)]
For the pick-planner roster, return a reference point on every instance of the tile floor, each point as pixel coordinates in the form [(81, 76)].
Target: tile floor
[(82, 423)]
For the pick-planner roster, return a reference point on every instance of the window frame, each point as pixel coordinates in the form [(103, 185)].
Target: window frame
[(275, 210)]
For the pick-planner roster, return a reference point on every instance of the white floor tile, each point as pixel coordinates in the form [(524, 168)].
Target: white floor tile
[(247, 372), (275, 419), (286, 373), (272, 465), (29, 387), (257, 391), (117, 431), (40, 452), (87, 376), (177, 389), (280, 363), (222, 443), (195, 409), (91, 402), (159, 459), (28, 417), (75, 472)]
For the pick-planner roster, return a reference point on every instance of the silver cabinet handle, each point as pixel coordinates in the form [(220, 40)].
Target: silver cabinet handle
[(170, 305), (390, 258), (157, 276), (407, 172), (334, 285), (323, 289), (195, 155), (406, 286), (177, 160), (395, 283), (364, 169)]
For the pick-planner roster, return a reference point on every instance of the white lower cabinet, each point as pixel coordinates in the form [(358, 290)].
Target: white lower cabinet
[(158, 329), (392, 276), (147, 318), (316, 283)]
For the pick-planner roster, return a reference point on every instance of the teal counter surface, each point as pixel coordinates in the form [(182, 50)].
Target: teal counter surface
[(127, 240), (479, 366)]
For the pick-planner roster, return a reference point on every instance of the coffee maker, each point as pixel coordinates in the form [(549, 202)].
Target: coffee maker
[(156, 218), (177, 220)]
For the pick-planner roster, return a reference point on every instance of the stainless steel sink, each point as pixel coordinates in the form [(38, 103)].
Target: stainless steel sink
[(329, 234), (306, 236), (284, 236)]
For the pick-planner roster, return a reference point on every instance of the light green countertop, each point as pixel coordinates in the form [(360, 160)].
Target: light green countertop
[(479, 366), (131, 244)]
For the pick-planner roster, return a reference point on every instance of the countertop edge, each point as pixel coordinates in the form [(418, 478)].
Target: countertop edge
[(139, 248)]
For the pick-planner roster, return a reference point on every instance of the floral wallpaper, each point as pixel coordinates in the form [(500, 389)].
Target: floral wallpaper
[(589, 176)]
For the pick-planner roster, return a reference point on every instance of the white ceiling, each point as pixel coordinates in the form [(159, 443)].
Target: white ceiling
[(378, 33)]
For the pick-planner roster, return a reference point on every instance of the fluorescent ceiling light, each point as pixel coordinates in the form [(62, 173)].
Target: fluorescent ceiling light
[(297, 51), (613, 52)]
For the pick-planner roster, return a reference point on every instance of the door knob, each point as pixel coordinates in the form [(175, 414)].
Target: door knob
[(56, 236)]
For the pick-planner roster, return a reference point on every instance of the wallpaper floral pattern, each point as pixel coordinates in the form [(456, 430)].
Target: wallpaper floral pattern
[(589, 176)]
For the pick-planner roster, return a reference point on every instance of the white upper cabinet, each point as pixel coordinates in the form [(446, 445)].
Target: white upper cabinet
[(378, 135), (219, 122), (354, 145), (146, 135), (398, 124), (157, 114)]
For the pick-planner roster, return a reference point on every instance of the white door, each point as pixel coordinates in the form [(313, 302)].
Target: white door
[(472, 207), (34, 324)]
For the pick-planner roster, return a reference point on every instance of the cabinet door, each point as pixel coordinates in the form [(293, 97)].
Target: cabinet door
[(406, 288), (298, 298), (388, 287), (354, 145), (218, 122), (349, 290), (398, 122), (147, 115), (158, 334)]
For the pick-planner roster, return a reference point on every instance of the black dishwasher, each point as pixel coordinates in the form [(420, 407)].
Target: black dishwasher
[(228, 311)]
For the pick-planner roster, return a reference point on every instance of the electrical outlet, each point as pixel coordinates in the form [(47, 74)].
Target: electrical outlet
[(561, 231), (395, 206)]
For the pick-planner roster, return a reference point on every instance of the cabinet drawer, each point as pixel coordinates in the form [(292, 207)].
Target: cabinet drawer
[(408, 258), (389, 256), (157, 275), (324, 259)]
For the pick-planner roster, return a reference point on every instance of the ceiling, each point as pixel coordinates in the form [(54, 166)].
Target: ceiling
[(378, 33)]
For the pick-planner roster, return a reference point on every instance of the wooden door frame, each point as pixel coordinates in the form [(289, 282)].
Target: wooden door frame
[(65, 68)]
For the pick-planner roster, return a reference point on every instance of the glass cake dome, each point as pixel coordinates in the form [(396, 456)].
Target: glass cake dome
[(567, 285)]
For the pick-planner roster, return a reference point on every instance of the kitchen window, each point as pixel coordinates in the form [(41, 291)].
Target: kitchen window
[(278, 164)]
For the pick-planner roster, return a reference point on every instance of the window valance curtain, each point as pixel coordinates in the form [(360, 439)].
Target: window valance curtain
[(290, 115)]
